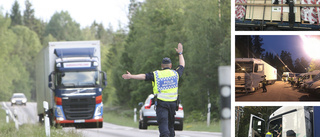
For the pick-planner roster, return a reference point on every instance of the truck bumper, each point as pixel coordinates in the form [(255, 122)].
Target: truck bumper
[(242, 88), (79, 121)]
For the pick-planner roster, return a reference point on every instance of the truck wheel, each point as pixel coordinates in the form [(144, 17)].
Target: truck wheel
[(143, 124), (41, 119)]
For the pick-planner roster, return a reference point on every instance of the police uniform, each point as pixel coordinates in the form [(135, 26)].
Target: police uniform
[(165, 86), (264, 83), (269, 134)]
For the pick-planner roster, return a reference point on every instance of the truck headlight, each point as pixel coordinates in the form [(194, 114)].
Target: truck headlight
[(13, 101), (58, 65), (95, 64), (98, 112), (24, 100), (60, 118), (59, 112)]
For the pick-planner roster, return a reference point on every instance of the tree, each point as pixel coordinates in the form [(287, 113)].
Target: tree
[(63, 27), (16, 18), (28, 15), (257, 43), (244, 46), (287, 60), (314, 65)]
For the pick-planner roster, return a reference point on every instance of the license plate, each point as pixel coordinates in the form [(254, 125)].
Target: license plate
[(79, 121)]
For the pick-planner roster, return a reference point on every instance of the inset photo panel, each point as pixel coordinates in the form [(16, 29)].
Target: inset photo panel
[(274, 15), (277, 68), (277, 121)]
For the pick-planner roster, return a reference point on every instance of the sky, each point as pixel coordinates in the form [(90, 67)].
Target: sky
[(83, 12), (290, 43)]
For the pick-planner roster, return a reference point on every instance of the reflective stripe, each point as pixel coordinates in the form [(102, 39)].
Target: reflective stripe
[(160, 96), (169, 94)]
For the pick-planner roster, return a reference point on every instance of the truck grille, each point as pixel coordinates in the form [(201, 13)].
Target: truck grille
[(240, 80), (79, 107)]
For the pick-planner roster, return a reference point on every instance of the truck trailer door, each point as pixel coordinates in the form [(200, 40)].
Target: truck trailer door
[(256, 127)]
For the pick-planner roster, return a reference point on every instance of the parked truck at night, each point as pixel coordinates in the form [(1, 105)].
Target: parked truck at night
[(250, 72), (296, 121), (69, 78)]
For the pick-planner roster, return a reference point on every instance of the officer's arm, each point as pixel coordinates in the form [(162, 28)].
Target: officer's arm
[(181, 58), (130, 76)]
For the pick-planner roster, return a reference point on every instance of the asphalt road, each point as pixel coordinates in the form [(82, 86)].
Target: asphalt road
[(111, 130), (280, 91), (25, 114), (28, 114)]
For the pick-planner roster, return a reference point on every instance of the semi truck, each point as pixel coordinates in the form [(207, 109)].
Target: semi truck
[(296, 121), (250, 72), (69, 78)]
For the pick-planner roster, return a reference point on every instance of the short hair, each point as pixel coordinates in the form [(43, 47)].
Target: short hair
[(166, 65)]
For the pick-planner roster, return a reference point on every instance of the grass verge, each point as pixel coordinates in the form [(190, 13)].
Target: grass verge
[(30, 130), (125, 118)]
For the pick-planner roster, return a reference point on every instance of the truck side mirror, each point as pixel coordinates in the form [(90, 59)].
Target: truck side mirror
[(50, 82), (104, 77)]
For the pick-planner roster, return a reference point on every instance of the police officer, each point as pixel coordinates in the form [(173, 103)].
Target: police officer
[(165, 86), (264, 83), (279, 131), (269, 134)]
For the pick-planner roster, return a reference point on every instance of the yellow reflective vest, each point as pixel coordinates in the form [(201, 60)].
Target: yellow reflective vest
[(165, 84), (269, 134)]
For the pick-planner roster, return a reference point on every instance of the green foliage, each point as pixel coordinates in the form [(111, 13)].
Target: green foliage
[(15, 15), (63, 27), (314, 65), (156, 27)]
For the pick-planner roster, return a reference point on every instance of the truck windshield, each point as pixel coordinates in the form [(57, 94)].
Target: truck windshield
[(77, 79), (244, 67)]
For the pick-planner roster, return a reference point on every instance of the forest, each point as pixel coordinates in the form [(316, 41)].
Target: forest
[(155, 29)]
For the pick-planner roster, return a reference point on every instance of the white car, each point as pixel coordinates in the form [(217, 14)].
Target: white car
[(148, 115), (18, 99)]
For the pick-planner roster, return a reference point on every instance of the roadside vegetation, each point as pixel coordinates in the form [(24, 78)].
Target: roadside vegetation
[(27, 130), (124, 117)]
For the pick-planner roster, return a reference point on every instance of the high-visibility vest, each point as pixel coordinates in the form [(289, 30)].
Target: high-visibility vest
[(165, 84), (269, 134)]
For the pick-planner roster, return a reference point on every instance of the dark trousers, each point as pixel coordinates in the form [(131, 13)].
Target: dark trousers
[(165, 118), (264, 88)]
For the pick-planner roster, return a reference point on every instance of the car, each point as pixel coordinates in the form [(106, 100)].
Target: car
[(18, 99), (148, 115)]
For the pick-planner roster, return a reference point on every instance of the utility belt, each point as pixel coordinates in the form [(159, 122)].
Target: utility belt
[(155, 101)]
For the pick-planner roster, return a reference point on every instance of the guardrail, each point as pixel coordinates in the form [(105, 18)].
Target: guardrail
[(13, 116)]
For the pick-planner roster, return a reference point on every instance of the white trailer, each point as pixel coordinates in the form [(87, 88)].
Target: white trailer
[(250, 72)]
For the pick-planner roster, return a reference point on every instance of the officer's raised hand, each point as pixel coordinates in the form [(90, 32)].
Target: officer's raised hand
[(179, 49)]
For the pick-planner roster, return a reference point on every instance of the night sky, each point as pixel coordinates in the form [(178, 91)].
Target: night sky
[(290, 43)]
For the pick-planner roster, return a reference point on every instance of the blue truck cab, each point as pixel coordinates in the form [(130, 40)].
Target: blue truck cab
[(76, 83)]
